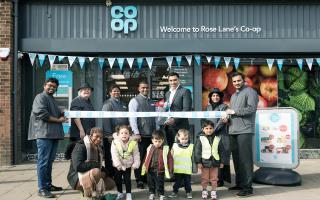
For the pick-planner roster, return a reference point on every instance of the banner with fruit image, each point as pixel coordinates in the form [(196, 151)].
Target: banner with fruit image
[(259, 77)]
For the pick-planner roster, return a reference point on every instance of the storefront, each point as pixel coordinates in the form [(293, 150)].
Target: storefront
[(130, 41)]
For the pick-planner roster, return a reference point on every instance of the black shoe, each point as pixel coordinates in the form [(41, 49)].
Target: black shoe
[(140, 185), (236, 187), (46, 194), (53, 188), (245, 193)]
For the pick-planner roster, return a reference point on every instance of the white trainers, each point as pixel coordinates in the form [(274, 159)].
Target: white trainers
[(128, 196), (151, 196), (204, 194), (120, 196), (214, 195), (162, 197), (189, 195)]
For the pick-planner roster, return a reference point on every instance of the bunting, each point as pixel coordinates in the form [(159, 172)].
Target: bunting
[(139, 62), (217, 61), (101, 63), (178, 60), (32, 57), (51, 59), (197, 58), (300, 63), (189, 59), (149, 61), (309, 63), (71, 60), (227, 60), (91, 58), (169, 60), (236, 62), (280, 63), (42, 58), (81, 60), (209, 58), (111, 62), (270, 63), (130, 62), (120, 62), (318, 61), (60, 58)]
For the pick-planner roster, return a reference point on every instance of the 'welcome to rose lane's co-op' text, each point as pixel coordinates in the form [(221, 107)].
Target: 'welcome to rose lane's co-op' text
[(206, 29)]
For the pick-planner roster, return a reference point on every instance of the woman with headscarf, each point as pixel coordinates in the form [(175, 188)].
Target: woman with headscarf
[(220, 128), (86, 172)]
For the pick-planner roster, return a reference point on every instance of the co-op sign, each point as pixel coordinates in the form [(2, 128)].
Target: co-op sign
[(124, 18)]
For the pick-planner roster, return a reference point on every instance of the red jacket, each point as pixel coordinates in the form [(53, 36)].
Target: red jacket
[(148, 158)]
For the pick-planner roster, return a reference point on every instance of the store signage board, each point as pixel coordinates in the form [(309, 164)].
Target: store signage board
[(276, 138), (124, 18)]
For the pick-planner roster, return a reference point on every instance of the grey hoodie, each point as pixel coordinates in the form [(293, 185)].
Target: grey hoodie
[(244, 102)]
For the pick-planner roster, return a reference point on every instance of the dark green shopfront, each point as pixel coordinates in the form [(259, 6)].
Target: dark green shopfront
[(203, 40)]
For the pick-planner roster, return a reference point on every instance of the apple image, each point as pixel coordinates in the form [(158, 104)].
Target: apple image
[(262, 102), (205, 100), (228, 69), (269, 90), (214, 78), (265, 71), (230, 88), (248, 82), (248, 70), (256, 81)]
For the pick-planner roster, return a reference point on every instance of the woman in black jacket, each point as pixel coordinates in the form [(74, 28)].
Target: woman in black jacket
[(221, 129)]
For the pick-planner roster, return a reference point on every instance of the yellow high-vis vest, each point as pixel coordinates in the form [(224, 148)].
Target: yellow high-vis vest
[(125, 154), (207, 150), (182, 159)]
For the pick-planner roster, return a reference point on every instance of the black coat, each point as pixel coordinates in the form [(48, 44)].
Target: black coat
[(78, 164), (211, 162)]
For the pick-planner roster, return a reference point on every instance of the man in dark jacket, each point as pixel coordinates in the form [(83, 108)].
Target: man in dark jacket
[(110, 124), (243, 106), (177, 98), (45, 126)]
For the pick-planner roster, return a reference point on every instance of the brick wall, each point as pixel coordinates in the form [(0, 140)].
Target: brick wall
[(6, 41)]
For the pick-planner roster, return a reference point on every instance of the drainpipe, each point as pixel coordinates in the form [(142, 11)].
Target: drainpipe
[(15, 82)]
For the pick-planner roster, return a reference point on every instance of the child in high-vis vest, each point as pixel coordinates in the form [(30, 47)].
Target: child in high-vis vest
[(209, 155), (125, 155), (157, 164), (182, 152)]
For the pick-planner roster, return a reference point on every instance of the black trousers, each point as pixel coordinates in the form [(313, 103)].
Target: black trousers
[(241, 148), (155, 182), (143, 145), (180, 179), (126, 175), (107, 155), (170, 135)]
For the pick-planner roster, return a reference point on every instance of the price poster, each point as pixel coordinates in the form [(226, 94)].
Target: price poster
[(276, 138)]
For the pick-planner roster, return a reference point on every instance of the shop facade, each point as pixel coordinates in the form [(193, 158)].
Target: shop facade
[(112, 40)]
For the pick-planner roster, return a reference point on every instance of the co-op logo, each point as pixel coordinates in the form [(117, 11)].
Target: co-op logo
[(124, 18)]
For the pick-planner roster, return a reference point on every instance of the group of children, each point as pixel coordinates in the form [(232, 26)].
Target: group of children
[(160, 162)]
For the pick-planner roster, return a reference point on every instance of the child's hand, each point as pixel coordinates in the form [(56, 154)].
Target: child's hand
[(199, 166), (124, 168), (221, 165), (119, 168)]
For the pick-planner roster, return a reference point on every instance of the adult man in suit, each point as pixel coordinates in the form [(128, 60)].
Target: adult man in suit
[(177, 98)]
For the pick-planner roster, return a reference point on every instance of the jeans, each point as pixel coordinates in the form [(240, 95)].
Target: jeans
[(126, 175), (182, 179), (143, 145), (47, 149), (155, 182)]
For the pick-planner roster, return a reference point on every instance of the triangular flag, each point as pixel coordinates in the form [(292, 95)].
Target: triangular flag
[(318, 61), (60, 58), (32, 57), (169, 60), (81, 60), (120, 62), (51, 59), (270, 63), (189, 59), (236, 62), (139, 62), (197, 58), (91, 58), (101, 62), (41, 57), (300, 63), (227, 61), (309, 62), (178, 59), (149, 61), (217, 61), (209, 59), (130, 61), (280, 63), (111, 62), (71, 60)]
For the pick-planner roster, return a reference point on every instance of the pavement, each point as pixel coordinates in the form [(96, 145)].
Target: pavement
[(19, 182)]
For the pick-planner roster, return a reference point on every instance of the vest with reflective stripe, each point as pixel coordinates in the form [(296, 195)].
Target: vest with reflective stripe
[(125, 154), (207, 150), (182, 161)]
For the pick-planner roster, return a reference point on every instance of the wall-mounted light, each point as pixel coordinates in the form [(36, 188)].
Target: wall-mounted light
[(108, 2), (4, 53)]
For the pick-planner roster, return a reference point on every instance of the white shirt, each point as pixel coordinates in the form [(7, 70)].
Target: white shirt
[(172, 93)]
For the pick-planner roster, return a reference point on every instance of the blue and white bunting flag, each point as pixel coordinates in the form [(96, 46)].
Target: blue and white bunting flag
[(178, 60), (318, 61), (309, 62), (149, 61), (71, 60), (197, 58), (42, 58), (139, 62), (91, 58), (111, 62), (189, 59), (300, 63), (169, 60), (101, 62), (130, 62), (280, 63), (217, 61), (81, 60), (209, 58), (60, 58), (270, 63), (51, 59), (120, 62), (227, 60), (236, 62), (32, 57)]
